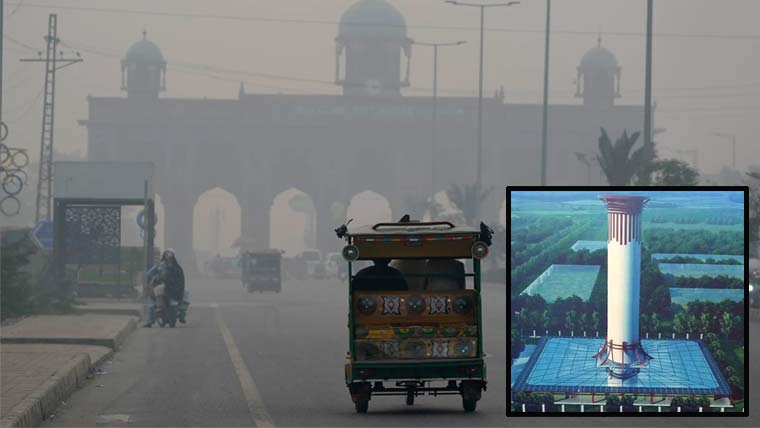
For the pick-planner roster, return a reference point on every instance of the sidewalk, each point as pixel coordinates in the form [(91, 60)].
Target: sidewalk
[(129, 307), (84, 329), (44, 358), (36, 378)]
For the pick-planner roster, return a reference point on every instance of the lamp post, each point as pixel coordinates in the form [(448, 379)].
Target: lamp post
[(733, 145), (544, 129), (479, 166), (648, 79), (434, 132)]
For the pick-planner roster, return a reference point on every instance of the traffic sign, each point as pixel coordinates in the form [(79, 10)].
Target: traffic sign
[(42, 235)]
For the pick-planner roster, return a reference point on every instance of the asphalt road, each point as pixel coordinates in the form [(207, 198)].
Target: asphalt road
[(265, 359)]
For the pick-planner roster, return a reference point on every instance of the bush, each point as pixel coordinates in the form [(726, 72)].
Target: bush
[(15, 286)]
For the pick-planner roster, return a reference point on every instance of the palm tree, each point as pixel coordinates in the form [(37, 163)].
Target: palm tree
[(467, 200), (619, 164)]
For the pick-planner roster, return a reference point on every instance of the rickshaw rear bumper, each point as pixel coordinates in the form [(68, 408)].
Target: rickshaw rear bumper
[(470, 369)]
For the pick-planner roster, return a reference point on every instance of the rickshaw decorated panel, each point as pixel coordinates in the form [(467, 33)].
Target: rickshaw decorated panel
[(414, 307), (401, 325)]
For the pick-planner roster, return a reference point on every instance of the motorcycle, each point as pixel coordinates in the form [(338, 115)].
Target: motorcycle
[(168, 310)]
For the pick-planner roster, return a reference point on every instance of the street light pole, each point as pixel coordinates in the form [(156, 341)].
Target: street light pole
[(544, 130), (479, 165), (648, 79), (434, 132)]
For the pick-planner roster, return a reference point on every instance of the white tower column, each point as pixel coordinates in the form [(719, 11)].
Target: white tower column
[(622, 353)]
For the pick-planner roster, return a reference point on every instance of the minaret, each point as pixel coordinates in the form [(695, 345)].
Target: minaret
[(622, 352)]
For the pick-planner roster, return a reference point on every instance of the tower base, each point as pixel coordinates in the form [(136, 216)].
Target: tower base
[(622, 361)]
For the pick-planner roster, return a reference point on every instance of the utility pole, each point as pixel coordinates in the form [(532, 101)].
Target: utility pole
[(434, 133), (52, 63), (648, 79), (479, 164), (544, 129)]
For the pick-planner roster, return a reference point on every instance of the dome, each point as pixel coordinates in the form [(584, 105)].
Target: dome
[(372, 18), (599, 57), (145, 51)]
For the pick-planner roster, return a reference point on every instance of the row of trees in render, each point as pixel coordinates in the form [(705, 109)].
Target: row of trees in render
[(725, 318), (715, 282), (698, 261), (698, 241), (570, 314), (522, 274), (723, 360)]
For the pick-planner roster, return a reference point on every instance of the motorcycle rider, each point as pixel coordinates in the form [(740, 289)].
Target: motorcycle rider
[(169, 272)]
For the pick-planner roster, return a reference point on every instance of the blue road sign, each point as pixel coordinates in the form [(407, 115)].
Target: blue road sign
[(42, 235)]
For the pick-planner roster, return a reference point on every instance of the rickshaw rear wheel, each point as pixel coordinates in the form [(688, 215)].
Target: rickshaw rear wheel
[(469, 405), (410, 398), (361, 406)]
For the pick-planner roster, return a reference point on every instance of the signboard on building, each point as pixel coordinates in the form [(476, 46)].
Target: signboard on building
[(103, 180)]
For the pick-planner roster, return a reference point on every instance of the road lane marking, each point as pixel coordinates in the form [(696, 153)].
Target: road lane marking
[(252, 396)]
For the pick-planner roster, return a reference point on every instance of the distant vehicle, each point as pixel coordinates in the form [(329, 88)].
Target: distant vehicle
[(262, 270), (313, 259), (332, 263), (224, 267)]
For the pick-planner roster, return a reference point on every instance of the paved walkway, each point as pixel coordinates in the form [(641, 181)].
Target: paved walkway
[(44, 358), (84, 329), (36, 377)]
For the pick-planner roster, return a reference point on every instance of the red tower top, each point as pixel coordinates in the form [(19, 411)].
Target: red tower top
[(624, 213)]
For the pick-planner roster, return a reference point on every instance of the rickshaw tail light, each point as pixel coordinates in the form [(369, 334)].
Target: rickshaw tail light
[(479, 250), (364, 373), (350, 253)]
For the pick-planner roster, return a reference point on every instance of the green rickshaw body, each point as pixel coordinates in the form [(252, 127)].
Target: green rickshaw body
[(431, 332)]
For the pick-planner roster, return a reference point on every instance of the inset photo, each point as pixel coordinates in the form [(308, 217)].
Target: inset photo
[(628, 300)]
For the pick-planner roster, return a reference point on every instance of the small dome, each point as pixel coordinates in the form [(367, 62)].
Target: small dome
[(598, 58), (145, 51), (372, 18)]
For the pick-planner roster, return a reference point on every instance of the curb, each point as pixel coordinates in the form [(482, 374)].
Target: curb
[(123, 312), (113, 343), (45, 399)]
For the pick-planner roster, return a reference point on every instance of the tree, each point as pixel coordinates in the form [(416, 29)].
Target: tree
[(467, 200), (727, 324), (619, 164), (673, 172), (680, 323), (570, 320), (705, 321), (655, 323), (595, 321), (613, 401), (644, 323)]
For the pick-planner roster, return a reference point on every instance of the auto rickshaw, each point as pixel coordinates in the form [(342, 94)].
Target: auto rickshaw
[(261, 270), (426, 339)]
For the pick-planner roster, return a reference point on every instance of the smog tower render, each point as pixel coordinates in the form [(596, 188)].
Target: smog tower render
[(622, 353)]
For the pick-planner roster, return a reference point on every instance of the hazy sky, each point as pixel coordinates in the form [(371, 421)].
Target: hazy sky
[(706, 57)]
